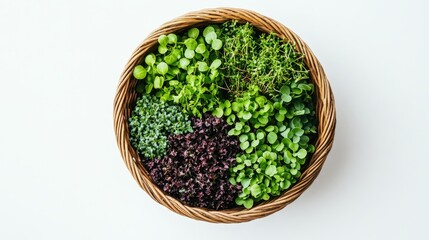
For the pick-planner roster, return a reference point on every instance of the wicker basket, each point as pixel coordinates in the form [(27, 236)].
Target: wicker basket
[(325, 110)]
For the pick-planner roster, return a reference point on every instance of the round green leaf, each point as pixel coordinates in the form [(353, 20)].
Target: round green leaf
[(243, 138), (296, 123), (285, 90), (236, 132), (280, 147), (297, 91), (216, 64), (304, 139), (299, 105), (252, 136), (266, 154), (163, 40), (217, 44), (210, 37), (301, 153), (148, 88), (280, 117), (265, 197), (202, 67), (172, 38), (176, 52), (299, 112), (295, 139), (260, 135), (183, 63), (232, 181), (269, 128), (286, 184), (227, 103), (231, 119), (162, 68), (247, 162), (277, 105), (244, 145), (260, 100), (282, 111), (231, 132), (245, 182), (218, 112), (208, 30), (293, 146), (193, 33), (246, 128), (150, 59), (263, 120), (173, 82), (255, 143), (247, 115), (139, 72), (271, 170), (158, 82), (267, 108), (189, 54), (227, 112), (255, 189), (247, 103), (162, 49), (191, 43), (236, 107), (170, 59), (286, 97), (273, 156), (239, 126), (173, 71), (248, 203), (272, 137), (201, 48), (306, 87), (298, 131)]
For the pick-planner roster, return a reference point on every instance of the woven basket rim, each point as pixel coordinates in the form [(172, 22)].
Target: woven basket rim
[(325, 110)]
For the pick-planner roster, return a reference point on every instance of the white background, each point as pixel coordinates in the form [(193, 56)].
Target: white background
[(61, 174)]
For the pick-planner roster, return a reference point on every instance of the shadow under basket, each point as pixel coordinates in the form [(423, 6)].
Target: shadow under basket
[(325, 112)]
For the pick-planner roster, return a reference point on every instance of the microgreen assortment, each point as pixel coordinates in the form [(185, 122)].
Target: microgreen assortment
[(225, 117)]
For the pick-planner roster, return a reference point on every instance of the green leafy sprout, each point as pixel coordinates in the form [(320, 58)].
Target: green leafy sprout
[(184, 70), (275, 137)]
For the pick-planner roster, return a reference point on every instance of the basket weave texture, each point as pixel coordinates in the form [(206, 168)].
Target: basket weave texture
[(325, 111)]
